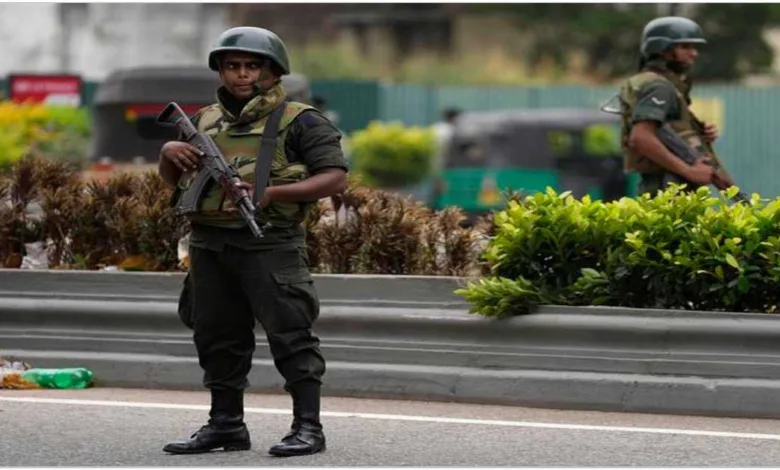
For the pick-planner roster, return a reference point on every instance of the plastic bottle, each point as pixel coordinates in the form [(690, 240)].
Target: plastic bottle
[(59, 378)]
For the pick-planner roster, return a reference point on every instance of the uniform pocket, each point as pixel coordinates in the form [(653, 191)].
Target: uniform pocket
[(296, 302)]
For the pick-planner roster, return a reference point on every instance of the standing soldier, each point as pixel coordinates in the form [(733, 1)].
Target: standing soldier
[(235, 278), (660, 94)]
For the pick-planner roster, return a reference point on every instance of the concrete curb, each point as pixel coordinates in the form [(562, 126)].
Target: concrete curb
[(404, 337), (547, 389), (372, 290)]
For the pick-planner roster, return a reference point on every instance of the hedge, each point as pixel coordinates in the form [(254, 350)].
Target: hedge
[(127, 222), (676, 250)]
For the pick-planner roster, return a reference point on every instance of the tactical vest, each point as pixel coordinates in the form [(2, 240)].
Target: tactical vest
[(684, 125), (240, 144)]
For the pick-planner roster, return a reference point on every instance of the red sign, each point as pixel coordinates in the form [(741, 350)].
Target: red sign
[(48, 89)]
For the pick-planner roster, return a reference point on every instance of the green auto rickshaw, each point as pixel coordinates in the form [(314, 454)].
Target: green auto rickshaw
[(493, 153)]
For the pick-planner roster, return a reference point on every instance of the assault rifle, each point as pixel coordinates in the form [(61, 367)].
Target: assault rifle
[(212, 166), (689, 155), (675, 144)]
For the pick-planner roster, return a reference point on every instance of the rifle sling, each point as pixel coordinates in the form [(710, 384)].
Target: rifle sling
[(267, 152)]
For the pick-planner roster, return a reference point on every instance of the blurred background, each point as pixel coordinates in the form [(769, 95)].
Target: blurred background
[(455, 104)]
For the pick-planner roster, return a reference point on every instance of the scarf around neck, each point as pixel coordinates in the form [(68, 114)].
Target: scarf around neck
[(256, 108)]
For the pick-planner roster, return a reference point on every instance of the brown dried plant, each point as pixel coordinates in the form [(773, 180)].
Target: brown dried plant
[(391, 229), (128, 221), (159, 228), (19, 228), (320, 210), (451, 248), (61, 209), (386, 233), (8, 251)]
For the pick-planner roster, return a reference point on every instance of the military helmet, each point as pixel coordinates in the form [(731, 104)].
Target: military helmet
[(254, 40), (662, 33)]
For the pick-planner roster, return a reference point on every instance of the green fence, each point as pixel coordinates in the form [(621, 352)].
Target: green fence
[(749, 117)]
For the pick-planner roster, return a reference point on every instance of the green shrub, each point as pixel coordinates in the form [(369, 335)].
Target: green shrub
[(55, 132), (677, 250), (389, 155), (601, 140)]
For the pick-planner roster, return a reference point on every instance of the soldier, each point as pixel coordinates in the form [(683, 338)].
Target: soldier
[(236, 278), (660, 94)]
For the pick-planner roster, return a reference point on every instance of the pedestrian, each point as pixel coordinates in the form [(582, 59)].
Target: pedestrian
[(660, 94), (236, 279)]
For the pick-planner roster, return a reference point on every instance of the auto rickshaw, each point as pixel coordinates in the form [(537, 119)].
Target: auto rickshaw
[(127, 103), (496, 152)]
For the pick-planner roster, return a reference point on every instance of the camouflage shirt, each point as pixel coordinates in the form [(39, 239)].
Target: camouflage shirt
[(312, 140)]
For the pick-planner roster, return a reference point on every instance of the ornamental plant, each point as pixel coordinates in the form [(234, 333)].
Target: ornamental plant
[(391, 155), (53, 131), (675, 250)]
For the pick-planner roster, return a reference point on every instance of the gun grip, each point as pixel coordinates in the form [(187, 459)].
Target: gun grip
[(165, 115)]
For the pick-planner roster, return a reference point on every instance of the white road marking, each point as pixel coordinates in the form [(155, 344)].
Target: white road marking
[(392, 417)]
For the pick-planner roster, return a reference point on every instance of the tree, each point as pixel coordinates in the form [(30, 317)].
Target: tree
[(609, 34)]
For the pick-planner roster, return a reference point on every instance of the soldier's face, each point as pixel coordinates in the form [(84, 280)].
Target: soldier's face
[(242, 73), (685, 54)]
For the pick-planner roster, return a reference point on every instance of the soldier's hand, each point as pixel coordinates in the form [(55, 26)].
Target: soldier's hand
[(722, 180), (244, 185), (267, 195), (711, 132), (181, 154), (700, 173)]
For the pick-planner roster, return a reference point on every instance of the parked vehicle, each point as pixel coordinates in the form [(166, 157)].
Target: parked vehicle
[(128, 101), (492, 153)]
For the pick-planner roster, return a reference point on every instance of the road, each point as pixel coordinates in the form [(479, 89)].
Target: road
[(119, 427)]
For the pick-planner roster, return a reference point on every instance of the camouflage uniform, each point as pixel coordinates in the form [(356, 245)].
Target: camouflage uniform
[(237, 279), (658, 94)]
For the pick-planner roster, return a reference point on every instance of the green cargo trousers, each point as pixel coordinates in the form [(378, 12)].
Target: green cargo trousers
[(233, 288)]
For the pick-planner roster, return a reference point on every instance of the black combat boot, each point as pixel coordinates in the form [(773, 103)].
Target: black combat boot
[(225, 429), (305, 436)]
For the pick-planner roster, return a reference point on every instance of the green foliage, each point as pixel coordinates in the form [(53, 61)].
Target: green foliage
[(11, 146), (598, 140), (609, 34), (602, 140), (71, 130), (56, 132), (389, 155), (677, 250), (494, 297)]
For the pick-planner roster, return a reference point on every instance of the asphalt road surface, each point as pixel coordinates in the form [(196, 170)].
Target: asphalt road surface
[(116, 427)]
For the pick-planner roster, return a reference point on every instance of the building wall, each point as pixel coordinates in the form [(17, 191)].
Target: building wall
[(31, 45), (92, 39)]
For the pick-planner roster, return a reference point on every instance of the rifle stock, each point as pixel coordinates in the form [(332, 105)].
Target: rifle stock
[(212, 166)]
